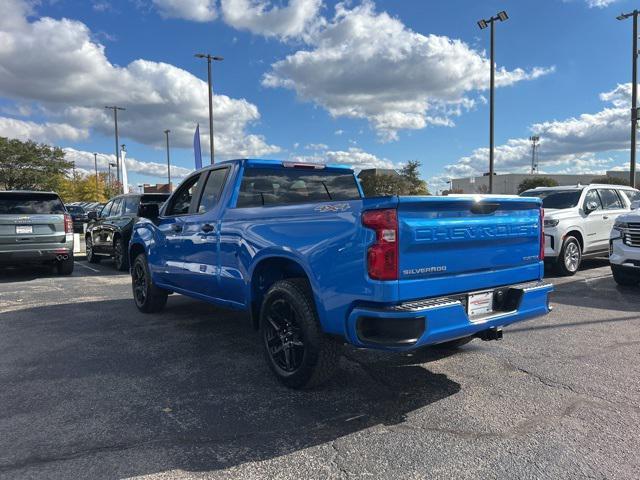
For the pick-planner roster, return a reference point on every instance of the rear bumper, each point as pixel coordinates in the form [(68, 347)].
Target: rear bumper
[(436, 320), (34, 255)]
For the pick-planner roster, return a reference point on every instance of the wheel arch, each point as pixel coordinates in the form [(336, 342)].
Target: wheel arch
[(575, 232), (265, 273)]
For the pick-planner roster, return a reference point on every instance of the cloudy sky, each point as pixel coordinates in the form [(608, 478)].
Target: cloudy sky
[(362, 82)]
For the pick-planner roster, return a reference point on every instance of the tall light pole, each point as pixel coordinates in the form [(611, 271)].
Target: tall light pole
[(166, 132), (95, 164), (535, 139), (502, 16), (210, 81), (115, 109), (634, 93)]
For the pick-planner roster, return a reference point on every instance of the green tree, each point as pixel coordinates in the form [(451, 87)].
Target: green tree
[(610, 180), (534, 182), (384, 185), (82, 188), (30, 165), (411, 174)]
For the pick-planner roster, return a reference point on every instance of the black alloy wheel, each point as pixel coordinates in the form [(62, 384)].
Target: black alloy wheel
[(139, 282), (120, 255), (147, 296), (283, 337), (91, 256)]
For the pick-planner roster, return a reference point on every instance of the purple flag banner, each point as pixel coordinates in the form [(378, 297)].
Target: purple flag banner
[(196, 148)]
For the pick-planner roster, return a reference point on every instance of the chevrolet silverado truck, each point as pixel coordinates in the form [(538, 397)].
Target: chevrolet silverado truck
[(316, 265)]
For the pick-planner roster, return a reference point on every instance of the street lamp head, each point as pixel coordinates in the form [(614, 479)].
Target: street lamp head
[(502, 16), (167, 131), (482, 24), (112, 164), (217, 59), (200, 55)]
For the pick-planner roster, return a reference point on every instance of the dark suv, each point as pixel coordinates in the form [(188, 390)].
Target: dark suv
[(35, 227), (109, 230)]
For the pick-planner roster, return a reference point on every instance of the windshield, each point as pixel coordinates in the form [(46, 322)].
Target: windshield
[(556, 198), (74, 209), (30, 203)]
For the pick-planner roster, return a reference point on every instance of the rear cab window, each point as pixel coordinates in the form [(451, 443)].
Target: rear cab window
[(293, 186), (25, 203)]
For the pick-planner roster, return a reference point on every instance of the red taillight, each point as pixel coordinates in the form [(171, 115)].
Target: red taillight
[(541, 234), (382, 256), (68, 223)]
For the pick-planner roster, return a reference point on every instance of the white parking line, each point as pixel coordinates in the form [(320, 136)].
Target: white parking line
[(87, 266)]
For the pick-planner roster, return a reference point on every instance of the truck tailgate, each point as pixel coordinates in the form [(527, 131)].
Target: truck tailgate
[(459, 244)]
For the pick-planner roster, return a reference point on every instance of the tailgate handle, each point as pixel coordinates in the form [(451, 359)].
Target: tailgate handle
[(484, 208)]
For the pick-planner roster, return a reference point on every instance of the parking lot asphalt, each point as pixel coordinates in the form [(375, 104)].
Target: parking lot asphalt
[(93, 389)]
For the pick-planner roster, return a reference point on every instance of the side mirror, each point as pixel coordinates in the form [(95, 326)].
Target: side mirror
[(92, 215), (149, 210), (591, 207), (635, 205)]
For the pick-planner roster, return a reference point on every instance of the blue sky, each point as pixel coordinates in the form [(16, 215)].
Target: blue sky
[(361, 82)]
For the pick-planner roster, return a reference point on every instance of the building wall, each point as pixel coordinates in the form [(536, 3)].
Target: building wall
[(508, 184)]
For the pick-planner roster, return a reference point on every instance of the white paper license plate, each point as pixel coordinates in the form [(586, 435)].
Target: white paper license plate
[(480, 303), (22, 229)]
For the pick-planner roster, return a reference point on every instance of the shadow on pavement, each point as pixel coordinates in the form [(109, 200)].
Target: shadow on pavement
[(115, 393), (587, 264)]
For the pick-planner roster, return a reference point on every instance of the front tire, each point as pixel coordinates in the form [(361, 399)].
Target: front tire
[(147, 296), (91, 256), (120, 257), (570, 257), (624, 278), (297, 351)]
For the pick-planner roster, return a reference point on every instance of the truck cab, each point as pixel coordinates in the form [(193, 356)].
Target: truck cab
[(317, 265)]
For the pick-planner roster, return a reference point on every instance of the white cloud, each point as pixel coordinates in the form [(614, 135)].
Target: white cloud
[(572, 145), (365, 64), (599, 3), (40, 132), (263, 18), (70, 78), (85, 161), (355, 158), (195, 10)]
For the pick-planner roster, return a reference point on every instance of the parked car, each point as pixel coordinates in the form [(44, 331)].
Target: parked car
[(316, 264), (109, 230), (578, 220), (79, 217), (35, 228), (624, 247)]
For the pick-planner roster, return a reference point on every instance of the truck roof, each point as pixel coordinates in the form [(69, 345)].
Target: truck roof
[(260, 162)]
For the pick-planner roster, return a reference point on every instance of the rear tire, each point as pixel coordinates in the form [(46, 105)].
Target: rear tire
[(570, 257), (624, 278), (297, 351), (91, 257), (120, 257), (147, 296), (65, 267)]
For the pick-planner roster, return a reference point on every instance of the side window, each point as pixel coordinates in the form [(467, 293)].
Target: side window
[(181, 201), (591, 197), (610, 199), (131, 205), (632, 195), (212, 189), (105, 210), (115, 209)]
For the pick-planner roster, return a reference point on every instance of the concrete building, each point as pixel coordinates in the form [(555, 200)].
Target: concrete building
[(508, 183)]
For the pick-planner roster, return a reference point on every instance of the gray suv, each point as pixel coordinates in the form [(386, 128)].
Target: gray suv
[(35, 227)]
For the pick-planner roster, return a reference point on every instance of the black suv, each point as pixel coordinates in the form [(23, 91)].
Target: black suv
[(109, 230)]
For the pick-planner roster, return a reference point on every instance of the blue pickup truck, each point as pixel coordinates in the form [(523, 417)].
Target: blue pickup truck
[(316, 264)]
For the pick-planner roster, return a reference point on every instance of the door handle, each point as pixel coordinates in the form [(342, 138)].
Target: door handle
[(207, 227), (176, 228)]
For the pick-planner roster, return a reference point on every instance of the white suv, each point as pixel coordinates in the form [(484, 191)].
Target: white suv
[(624, 247), (578, 221)]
